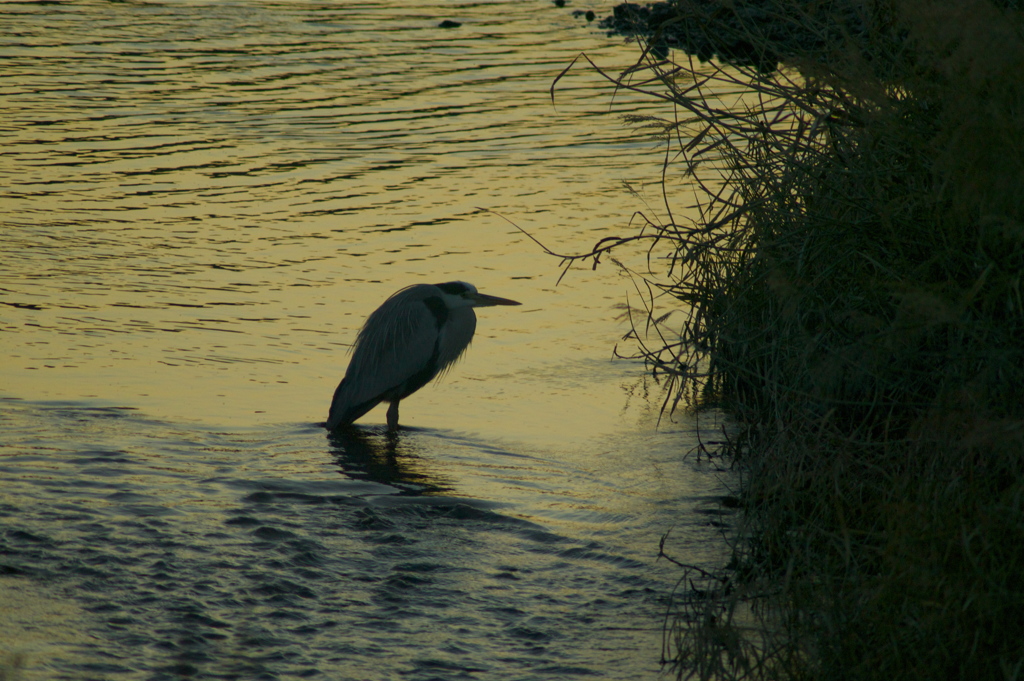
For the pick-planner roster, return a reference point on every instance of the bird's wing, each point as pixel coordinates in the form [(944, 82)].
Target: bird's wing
[(398, 344)]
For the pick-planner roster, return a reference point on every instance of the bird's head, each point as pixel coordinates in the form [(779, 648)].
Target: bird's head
[(460, 294)]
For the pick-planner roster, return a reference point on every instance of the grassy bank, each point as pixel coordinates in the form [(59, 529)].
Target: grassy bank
[(854, 287)]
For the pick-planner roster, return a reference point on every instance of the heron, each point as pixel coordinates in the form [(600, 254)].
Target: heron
[(417, 334)]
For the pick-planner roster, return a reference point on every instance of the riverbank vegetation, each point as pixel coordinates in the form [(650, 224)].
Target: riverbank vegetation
[(852, 294)]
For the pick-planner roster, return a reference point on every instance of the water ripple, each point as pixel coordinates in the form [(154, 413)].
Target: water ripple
[(203, 200)]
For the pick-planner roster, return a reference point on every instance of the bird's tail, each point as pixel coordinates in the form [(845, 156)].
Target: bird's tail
[(346, 406)]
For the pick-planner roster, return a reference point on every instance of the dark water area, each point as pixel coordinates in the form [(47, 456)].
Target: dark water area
[(201, 204), (276, 554)]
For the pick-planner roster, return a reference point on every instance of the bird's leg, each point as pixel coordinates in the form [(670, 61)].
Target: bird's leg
[(393, 417)]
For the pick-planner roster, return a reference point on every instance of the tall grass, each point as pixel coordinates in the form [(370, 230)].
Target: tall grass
[(852, 292)]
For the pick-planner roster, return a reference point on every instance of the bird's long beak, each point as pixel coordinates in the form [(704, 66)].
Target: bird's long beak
[(484, 300)]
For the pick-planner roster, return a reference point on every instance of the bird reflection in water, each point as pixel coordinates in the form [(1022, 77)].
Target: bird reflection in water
[(383, 457)]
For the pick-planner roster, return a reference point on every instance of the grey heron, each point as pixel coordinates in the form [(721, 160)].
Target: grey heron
[(415, 335)]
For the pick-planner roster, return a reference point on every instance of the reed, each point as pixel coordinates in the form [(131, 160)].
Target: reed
[(851, 291)]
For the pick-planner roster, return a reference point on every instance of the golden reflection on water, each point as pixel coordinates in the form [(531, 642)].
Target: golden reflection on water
[(36, 627), (203, 203), (200, 232)]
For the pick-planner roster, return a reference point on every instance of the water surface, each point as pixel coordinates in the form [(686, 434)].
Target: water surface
[(202, 203)]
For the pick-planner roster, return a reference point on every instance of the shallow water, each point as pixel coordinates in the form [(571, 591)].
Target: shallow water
[(274, 553), (202, 204)]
